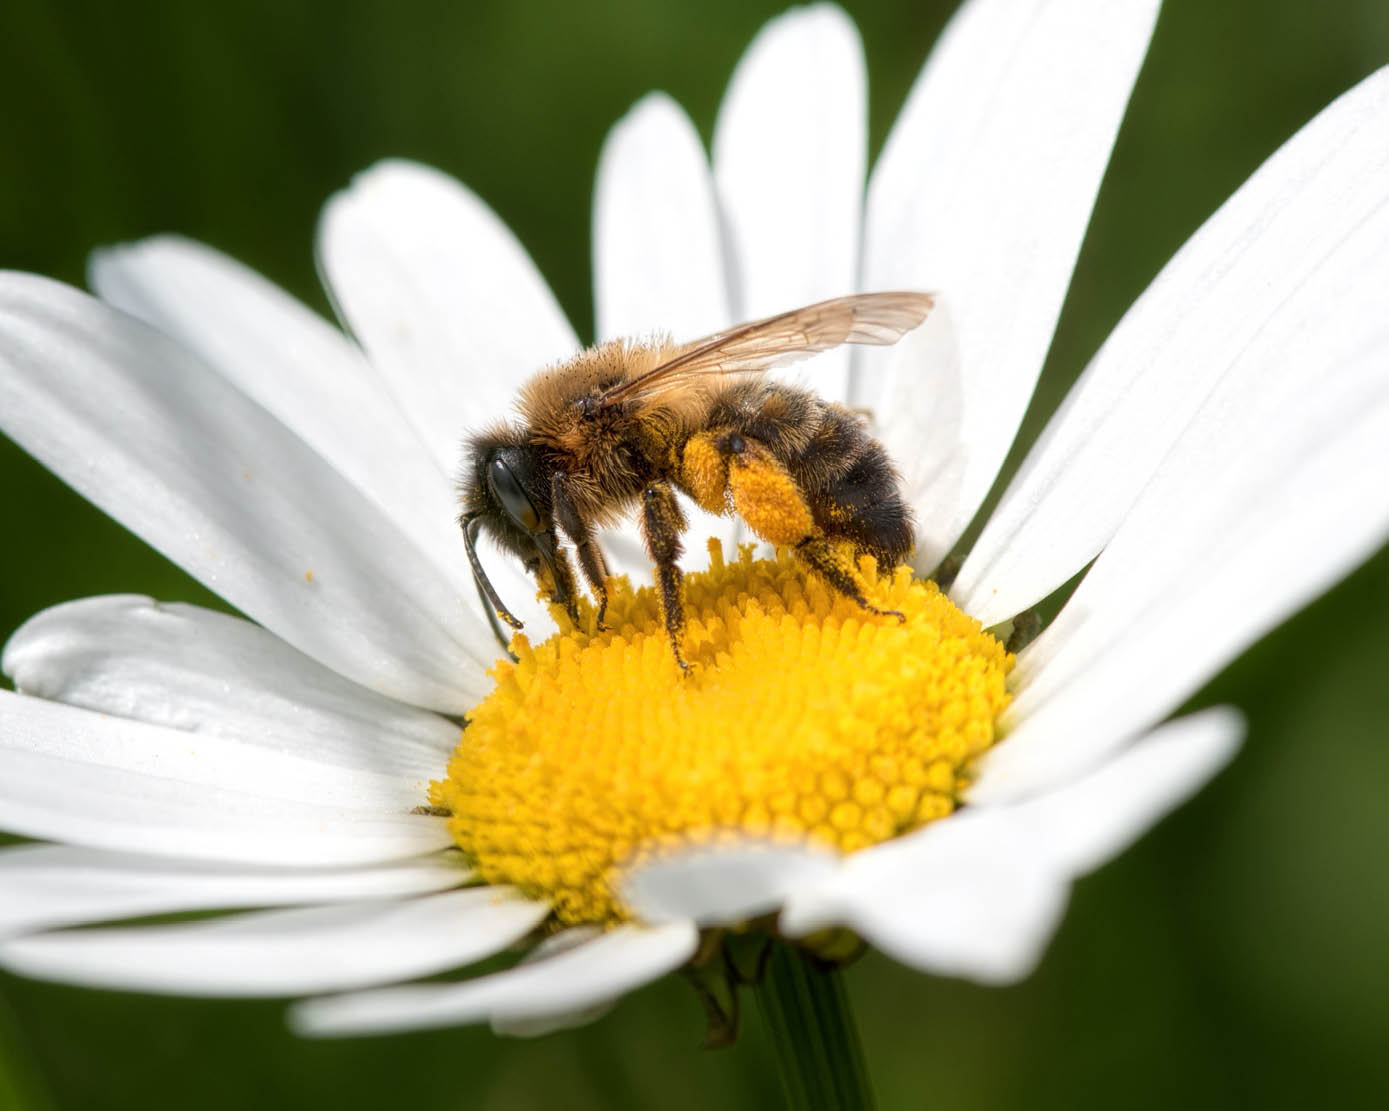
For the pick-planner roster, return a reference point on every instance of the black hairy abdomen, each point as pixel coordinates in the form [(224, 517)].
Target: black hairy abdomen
[(852, 487)]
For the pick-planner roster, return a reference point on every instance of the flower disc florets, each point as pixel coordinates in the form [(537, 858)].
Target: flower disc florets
[(806, 720)]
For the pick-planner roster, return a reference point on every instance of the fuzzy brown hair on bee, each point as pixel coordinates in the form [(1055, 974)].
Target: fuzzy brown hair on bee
[(626, 425)]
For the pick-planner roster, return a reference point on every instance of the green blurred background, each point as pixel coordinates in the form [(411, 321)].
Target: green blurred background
[(1238, 955)]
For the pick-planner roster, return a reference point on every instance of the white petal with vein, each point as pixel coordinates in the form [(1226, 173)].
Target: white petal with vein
[(196, 759), (442, 296), (984, 199), (609, 966), (964, 897), (980, 894), (1084, 824), (303, 370), (539, 1026), (284, 952), (789, 154), (44, 886), (205, 672), (657, 258), (170, 449), (1212, 339), (111, 783), (658, 269), (1222, 546)]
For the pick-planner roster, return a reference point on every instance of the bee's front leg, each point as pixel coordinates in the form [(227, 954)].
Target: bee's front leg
[(662, 522), (552, 572), (580, 532)]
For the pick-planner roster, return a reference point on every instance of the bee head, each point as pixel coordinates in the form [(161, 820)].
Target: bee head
[(505, 494)]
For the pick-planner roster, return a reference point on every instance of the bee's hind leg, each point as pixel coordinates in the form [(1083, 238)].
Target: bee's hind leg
[(819, 555), (662, 522), (768, 498)]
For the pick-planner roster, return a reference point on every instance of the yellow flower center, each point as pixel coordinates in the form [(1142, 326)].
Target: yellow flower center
[(806, 720)]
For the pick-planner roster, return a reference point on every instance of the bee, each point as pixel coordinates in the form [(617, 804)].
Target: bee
[(628, 424)]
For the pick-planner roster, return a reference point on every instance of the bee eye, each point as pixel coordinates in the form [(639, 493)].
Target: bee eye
[(512, 497)]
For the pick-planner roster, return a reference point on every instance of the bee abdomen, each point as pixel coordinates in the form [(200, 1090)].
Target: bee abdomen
[(852, 487), (782, 418), (844, 475)]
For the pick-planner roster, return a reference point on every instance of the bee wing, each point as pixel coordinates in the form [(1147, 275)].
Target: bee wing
[(788, 337)]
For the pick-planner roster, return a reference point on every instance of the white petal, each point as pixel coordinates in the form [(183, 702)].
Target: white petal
[(205, 672), (70, 733), (610, 966), (964, 897), (1235, 533), (44, 886), (560, 1020), (658, 268), (1307, 230), (657, 261), (454, 316), (174, 452), (1084, 824), (722, 884), (789, 156), (982, 194), (47, 797), (446, 302), (980, 893), (625, 552), (300, 368), (284, 952), (110, 783)]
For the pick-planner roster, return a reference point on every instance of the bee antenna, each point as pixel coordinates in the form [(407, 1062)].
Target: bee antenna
[(485, 591)]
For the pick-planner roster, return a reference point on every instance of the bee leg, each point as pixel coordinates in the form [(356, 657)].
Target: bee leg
[(820, 556), (704, 470), (662, 522), (579, 531), (595, 571), (560, 576), (767, 497)]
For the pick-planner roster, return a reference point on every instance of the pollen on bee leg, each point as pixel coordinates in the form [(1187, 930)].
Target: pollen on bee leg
[(805, 723), (768, 499), (704, 471)]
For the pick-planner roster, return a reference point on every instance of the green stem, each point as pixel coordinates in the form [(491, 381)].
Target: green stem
[(806, 1011)]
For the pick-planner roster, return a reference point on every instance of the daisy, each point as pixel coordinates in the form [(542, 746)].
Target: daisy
[(180, 759)]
